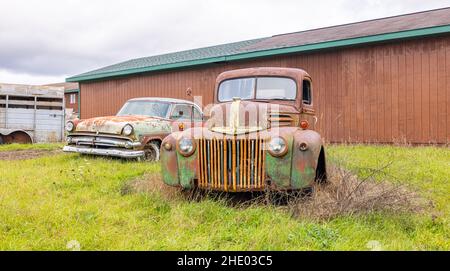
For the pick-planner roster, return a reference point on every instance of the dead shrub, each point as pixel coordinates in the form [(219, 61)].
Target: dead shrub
[(342, 194), (345, 194)]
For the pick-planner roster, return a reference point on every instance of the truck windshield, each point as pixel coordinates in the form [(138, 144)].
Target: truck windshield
[(267, 88), (144, 108)]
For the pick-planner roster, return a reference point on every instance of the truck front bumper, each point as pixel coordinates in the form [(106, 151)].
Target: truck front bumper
[(122, 153)]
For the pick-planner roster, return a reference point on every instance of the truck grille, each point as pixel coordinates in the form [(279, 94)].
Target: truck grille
[(231, 164), (282, 120)]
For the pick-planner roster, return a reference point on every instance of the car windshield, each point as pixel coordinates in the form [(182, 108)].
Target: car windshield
[(267, 88), (144, 108)]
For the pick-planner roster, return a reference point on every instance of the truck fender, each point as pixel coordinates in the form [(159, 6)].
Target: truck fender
[(169, 161), (306, 158)]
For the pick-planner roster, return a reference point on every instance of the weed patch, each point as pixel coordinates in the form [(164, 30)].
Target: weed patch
[(346, 194)]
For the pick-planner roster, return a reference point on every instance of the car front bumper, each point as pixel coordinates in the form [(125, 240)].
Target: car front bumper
[(122, 153)]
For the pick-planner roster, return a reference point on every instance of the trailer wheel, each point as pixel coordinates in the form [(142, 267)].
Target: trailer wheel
[(17, 137), (152, 151)]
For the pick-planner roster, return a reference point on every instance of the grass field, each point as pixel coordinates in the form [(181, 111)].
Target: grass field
[(48, 201), (40, 146)]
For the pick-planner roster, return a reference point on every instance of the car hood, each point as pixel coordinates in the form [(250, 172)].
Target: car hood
[(115, 124)]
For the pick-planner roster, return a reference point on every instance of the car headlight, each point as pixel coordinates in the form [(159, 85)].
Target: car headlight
[(277, 147), (186, 146), (127, 130), (69, 126)]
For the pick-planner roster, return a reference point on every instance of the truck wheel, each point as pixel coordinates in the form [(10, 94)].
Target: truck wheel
[(151, 151), (321, 170)]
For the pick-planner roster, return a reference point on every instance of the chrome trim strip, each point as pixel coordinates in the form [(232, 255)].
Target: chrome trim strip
[(79, 134), (105, 152), (101, 141)]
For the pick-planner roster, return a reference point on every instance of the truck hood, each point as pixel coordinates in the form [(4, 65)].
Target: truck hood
[(239, 117), (115, 124)]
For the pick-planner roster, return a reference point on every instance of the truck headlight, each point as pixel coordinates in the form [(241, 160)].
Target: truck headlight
[(277, 147), (186, 146), (127, 130), (69, 126)]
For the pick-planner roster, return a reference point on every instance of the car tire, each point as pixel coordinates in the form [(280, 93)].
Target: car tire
[(151, 152)]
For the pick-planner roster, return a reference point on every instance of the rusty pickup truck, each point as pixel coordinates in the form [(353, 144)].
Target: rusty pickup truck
[(135, 132), (259, 135)]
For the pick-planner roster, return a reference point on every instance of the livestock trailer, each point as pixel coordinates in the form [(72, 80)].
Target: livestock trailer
[(31, 114)]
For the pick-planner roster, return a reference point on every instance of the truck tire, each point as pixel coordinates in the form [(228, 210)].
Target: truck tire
[(321, 170)]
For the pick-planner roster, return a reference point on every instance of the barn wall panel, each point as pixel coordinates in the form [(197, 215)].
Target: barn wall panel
[(393, 92)]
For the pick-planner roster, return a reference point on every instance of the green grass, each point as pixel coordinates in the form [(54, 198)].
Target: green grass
[(49, 201), (37, 146)]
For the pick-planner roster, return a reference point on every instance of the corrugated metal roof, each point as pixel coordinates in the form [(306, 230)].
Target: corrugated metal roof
[(391, 28)]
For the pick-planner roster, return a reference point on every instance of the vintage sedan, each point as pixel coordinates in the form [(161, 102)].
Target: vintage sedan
[(135, 132), (259, 135)]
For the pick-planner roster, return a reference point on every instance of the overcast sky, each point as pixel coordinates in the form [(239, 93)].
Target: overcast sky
[(45, 41)]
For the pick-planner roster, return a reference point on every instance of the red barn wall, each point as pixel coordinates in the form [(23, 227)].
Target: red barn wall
[(390, 92)]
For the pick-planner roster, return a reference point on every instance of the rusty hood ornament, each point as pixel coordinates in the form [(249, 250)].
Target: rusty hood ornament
[(242, 117), (235, 127)]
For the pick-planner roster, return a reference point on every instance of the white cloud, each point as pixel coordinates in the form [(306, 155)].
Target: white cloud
[(32, 79), (44, 38)]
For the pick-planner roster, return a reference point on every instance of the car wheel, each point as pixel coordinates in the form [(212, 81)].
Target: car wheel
[(151, 152)]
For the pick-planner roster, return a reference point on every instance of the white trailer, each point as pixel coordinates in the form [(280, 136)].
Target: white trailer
[(31, 114)]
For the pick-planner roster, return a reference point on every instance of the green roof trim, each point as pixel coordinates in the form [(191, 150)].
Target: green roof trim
[(407, 34), (76, 90)]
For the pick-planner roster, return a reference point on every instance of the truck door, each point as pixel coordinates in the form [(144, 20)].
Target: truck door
[(308, 113), (181, 116)]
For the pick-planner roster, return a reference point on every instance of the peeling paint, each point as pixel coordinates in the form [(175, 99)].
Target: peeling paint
[(108, 131)]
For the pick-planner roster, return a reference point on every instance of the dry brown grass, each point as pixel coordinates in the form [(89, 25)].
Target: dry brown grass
[(343, 194), (151, 183), (27, 154)]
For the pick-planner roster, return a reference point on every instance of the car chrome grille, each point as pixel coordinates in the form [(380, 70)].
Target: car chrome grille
[(100, 141)]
